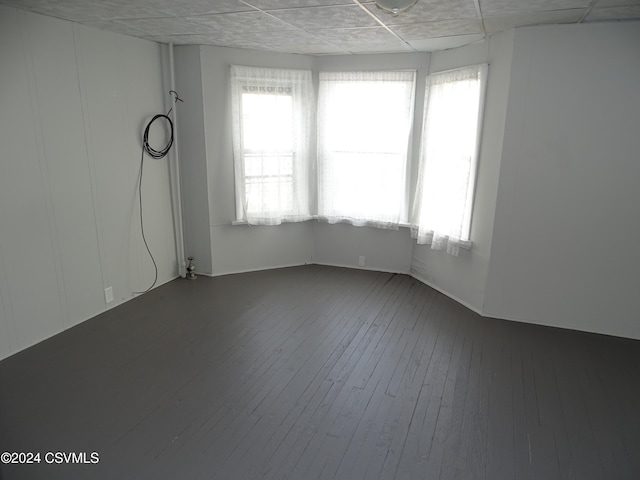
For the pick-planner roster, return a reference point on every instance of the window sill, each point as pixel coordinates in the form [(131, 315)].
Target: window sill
[(463, 245), (314, 218)]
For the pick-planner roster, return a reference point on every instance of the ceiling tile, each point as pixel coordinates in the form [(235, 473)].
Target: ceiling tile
[(503, 7), (323, 26), (428, 11), (614, 13), (505, 22), (25, 4), (276, 4), (616, 3), (395, 46), (80, 10), (355, 35), (314, 18), (203, 40), (281, 37), (116, 27), (443, 43), (243, 22), (171, 39), (199, 7), (166, 26), (213, 38), (36, 6), (317, 49), (418, 31)]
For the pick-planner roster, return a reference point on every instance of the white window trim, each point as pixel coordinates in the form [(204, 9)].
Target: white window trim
[(242, 77), (465, 243)]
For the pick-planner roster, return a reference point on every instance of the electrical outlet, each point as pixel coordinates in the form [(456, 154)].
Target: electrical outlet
[(108, 294), (361, 261)]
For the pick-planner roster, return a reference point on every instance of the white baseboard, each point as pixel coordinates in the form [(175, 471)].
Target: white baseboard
[(356, 267), (249, 270), (420, 278)]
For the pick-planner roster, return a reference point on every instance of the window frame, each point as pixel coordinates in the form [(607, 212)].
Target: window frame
[(404, 152), (242, 79), (438, 240)]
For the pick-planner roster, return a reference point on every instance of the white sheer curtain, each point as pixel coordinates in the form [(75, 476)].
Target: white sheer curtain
[(272, 112), (364, 124), (441, 214)]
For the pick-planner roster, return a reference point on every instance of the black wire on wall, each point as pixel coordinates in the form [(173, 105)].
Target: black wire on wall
[(157, 155)]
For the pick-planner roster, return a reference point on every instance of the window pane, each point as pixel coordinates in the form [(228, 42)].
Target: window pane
[(364, 122), (269, 182), (267, 122), (272, 189), (267, 126), (444, 195), (272, 111)]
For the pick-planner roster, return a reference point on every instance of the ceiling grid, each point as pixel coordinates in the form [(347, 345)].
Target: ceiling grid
[(320, 27)]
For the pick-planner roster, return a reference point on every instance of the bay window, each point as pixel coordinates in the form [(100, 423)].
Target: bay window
[(359, 170)]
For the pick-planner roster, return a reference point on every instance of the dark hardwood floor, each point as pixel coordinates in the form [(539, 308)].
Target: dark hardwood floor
[(320, 372)]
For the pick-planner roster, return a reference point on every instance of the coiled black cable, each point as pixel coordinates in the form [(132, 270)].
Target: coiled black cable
[(157, 155), (153, 153)]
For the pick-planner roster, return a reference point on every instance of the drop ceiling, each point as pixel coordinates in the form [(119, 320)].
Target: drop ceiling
[(318, 27)]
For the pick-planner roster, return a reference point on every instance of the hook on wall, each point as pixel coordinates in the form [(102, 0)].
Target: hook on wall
[(175, 94), (176, 99)]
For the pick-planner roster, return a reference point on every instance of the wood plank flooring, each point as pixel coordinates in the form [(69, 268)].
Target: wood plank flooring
[(320, 373)]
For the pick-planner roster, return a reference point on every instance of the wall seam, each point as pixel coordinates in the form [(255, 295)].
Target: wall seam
[(86, 125), (45, 177)]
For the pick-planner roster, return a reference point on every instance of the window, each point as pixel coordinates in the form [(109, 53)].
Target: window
[(364, 124), (272, 111), (441, 213)]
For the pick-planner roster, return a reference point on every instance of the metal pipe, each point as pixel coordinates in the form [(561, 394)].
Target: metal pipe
[(175, 183)]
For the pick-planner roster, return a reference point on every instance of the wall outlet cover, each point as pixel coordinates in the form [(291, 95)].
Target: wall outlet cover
[(108, 294)]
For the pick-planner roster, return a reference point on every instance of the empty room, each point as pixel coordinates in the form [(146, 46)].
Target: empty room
[(319, 239)]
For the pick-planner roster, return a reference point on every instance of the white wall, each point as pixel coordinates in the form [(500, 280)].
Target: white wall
[(387, 250), (343, 244), (209, 187), (567, 223), (74, 102), (464, 277), (194, 167)]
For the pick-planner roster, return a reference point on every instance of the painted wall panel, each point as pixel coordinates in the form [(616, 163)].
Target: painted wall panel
[(239, 248), (343, 245), (566, 229), (464, 277), (25, 234), (5, 340), (121, 96), (7, 328), (147, 95), (7, 337), (74, 102), (244, 248), (193, 157), (112, 146), (57, 94)]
